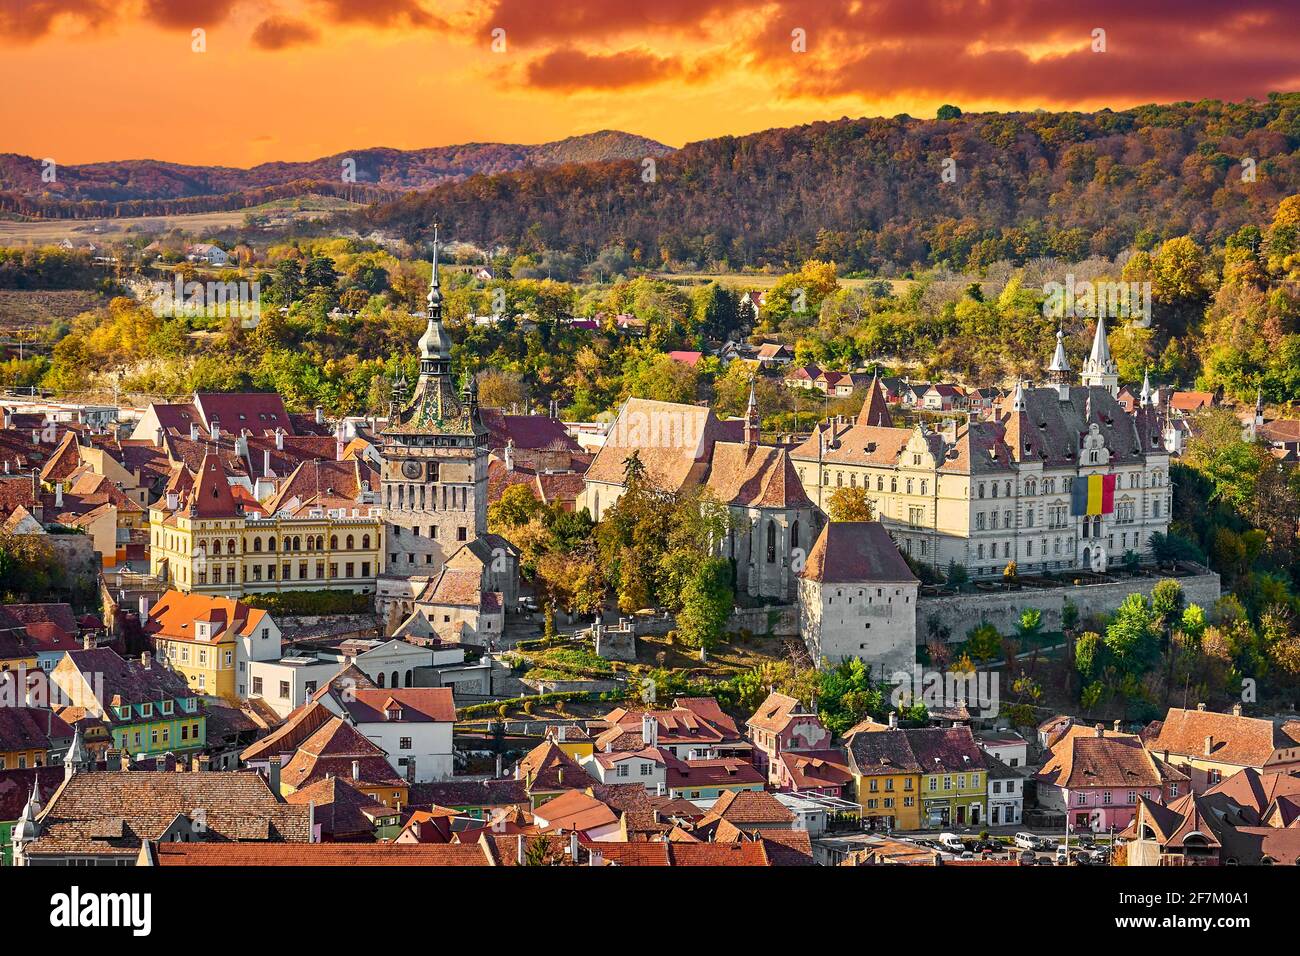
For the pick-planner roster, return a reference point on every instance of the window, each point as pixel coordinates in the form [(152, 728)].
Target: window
[(284, 690), (257, 685), (622, 770), (404, 743)]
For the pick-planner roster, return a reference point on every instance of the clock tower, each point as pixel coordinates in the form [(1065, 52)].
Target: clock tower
[(434, 478)]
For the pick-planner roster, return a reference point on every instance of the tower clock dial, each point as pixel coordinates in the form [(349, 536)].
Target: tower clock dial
[(412, 470)]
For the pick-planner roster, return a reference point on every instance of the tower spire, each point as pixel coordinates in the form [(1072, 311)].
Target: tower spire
[(1100, 369), (1145, 398), (1060, 367), (751, 418)]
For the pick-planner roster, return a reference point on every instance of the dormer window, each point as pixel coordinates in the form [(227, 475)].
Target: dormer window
[(146, 710), (167, 707)]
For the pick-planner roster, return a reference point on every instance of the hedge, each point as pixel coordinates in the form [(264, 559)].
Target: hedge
[(312, 602)]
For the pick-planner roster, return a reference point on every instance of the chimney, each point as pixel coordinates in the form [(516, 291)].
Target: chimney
[(173, 501), (519, 849), (241, 444), (573, 846), (893, 720), (356, 770), (205, 763), (1115, 726), (145, 659), (649, 731), (320, 415), (1201, 705), (499, 767), (158, 437), (1100, 730), (273, 774), (1236, 710), (279, 440), (88, 642), (266, 462), (560, 732), (123, 760), (143, 605), (1209, 744), (58, 496)]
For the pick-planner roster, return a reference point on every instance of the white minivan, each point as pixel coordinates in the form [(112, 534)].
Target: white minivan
[(1028, 841), (950, 842)]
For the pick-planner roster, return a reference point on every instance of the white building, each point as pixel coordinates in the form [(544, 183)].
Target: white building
[(1006, 793), (413, 725), (1006, 745), (857, 598)]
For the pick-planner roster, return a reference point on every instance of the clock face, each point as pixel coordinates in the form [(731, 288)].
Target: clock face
[(411, 469)]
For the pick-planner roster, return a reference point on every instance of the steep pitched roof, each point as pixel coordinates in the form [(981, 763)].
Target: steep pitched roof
[(756, 476), (338, 748), (547, 767), (854, 552), (875, 410), (211, 497)]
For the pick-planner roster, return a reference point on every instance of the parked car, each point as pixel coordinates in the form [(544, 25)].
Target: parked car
[(1028, 841), (1027, 858), (950, 842), (1062, 855)]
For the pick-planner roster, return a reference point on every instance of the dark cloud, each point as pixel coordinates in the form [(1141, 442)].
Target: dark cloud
[(185, 14), (383, 13), (568, 69), (26, 20), (277, 33)]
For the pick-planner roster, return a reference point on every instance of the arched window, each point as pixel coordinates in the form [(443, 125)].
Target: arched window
[(408, 678), (297, 543), (311, 542), (334, 542), (231, 547), (216, 546), (771, 541), (349, 540), (794, 534), (379, 678), (257, 545), (395, 680), (365, 541)]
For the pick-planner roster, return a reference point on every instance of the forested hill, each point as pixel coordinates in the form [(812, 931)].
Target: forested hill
[(871, 194), (390, 169)]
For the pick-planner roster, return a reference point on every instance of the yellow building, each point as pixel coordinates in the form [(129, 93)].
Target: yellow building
[(887, 777), (210, 640), (321, 531)]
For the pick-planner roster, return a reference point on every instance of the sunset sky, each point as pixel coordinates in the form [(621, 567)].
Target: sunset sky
[(89, 80)]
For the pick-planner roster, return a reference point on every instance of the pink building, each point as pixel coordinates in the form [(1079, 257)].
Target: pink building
[(1096, 776), (781, 725)]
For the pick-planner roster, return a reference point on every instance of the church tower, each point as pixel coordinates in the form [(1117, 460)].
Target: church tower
[(434, 478), (1100, 369)]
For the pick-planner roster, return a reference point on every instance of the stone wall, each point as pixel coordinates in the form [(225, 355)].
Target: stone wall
[(962, 612), (779, 621)]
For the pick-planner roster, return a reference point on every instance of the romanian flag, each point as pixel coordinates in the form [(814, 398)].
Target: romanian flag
[(1093, 495)]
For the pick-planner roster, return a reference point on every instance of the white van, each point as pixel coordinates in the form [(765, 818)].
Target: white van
[(1028, 841), (950, 842)]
